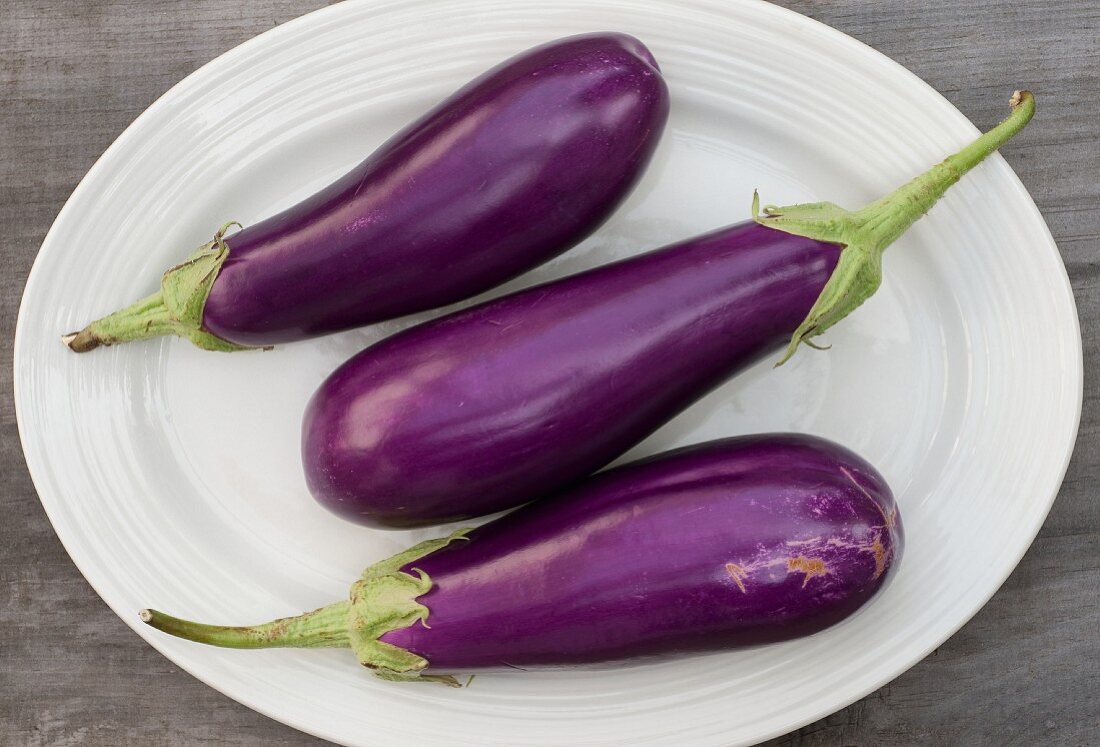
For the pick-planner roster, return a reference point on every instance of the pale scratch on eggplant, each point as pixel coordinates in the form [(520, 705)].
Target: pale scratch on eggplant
[(852, 479), (880, 557), (737, 573), (876, 548), (889, 519), (810, 566), (810, 541)]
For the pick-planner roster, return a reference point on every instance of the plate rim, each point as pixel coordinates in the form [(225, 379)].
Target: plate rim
[(833, 36)]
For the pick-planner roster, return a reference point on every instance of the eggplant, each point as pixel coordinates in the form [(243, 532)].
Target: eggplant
[(524, 395), (730, 543), (513, 169)]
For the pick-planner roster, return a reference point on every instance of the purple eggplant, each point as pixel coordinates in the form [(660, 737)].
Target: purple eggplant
[(730, 543), (524, 395), (513, 169)]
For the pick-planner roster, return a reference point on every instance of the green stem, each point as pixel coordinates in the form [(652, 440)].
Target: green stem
[(385, 598), (326, 627), (889, 217), (145, 319), (866, 233), (176, 309)]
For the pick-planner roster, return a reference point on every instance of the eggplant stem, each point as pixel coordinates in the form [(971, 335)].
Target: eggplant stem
[(866, 233), (889, 217), (176, 309), (326, 627), (382, 600), (147, 318)]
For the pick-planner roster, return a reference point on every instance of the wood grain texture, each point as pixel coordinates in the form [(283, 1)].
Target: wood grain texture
[(1023, 672)]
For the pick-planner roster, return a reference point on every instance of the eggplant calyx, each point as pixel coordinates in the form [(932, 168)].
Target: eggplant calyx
[(866, 233), (383, 599), (858, 272), (176, 309)]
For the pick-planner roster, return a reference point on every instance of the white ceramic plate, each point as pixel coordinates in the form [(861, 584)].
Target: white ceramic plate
[(172, 475)]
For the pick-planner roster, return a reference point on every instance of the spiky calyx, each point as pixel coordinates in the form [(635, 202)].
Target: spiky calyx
[(866, 233), (176, 309), (383, 599)]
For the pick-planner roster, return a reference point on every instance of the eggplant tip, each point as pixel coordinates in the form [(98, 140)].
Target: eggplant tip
[(80, 342), (1020, 96)]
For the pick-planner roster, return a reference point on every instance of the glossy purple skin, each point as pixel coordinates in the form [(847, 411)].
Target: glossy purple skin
[(511, 170), (729, 543), (519, 397)]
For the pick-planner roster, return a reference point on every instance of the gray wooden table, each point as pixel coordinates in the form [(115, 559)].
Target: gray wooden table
[(1023, 672)]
